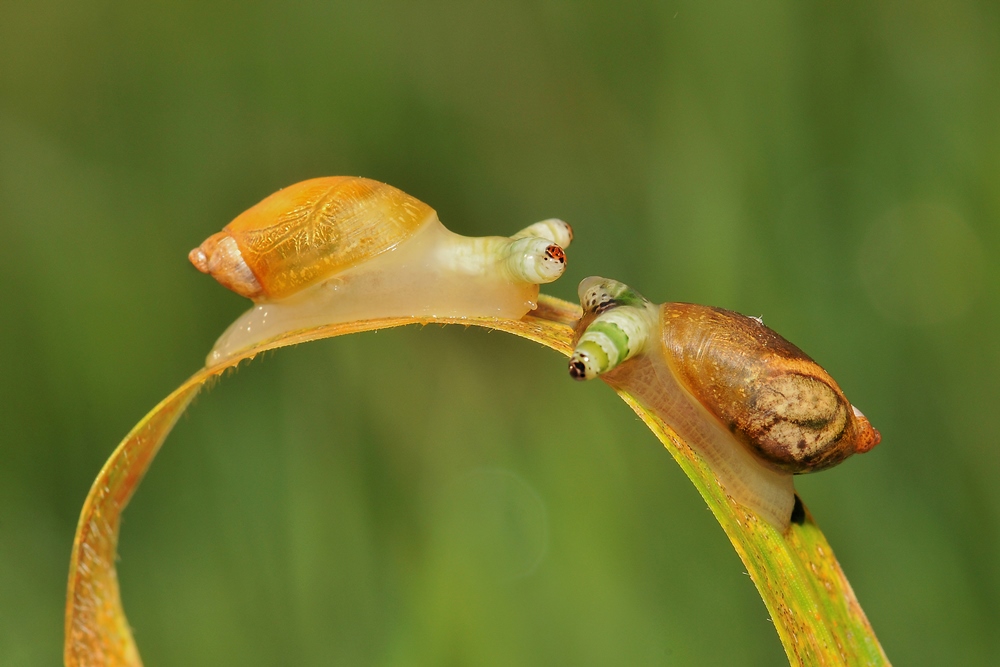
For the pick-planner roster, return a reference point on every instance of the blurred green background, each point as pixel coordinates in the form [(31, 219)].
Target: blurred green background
[(449, 497)]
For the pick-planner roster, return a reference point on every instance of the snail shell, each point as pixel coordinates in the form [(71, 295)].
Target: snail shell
[(776, 400), (756, 407), (307, 232), (338, 249)]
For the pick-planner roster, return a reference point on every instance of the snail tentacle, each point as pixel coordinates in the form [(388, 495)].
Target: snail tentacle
[(555, 230), (534, 259), (620, 329), (599, 294)]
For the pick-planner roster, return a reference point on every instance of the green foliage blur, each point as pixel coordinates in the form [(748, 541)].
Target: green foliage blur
[(449, 497)]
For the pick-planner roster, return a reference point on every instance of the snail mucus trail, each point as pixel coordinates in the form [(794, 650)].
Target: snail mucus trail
[(753, 405), (340, 249)]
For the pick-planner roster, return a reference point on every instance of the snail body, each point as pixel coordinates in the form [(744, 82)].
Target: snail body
[(338, 249), (756, 407)]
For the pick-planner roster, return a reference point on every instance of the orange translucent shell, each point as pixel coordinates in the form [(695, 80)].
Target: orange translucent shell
[(316, 228)]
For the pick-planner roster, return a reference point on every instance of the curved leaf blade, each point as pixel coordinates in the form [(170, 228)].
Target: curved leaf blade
[(815, 612)]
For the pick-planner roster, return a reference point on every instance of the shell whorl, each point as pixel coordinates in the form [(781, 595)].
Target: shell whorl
[(308, 231), (219, 256)]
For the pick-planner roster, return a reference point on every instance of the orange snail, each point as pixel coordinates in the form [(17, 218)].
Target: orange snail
[(751, 403), (342, 248)]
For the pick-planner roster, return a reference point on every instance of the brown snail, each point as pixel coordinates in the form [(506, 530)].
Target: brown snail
[(343, 248), (756, 407)]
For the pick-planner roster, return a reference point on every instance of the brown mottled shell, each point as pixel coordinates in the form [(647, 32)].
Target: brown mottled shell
[(774, 399), (312, 230)]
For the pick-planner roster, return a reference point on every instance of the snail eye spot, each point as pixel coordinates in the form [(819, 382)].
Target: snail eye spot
[(605, 305), (798, 512), (556, 253)]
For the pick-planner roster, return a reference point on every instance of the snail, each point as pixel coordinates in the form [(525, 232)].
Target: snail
[(341, 248), (755, 407)]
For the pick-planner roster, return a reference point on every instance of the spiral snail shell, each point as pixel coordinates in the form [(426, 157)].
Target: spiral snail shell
[(342, 248), (754, 405)]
